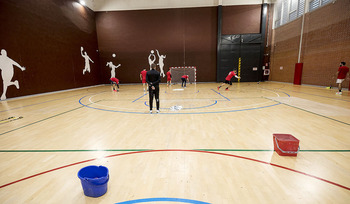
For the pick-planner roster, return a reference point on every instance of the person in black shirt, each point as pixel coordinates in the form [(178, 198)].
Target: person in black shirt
[(153, 79)]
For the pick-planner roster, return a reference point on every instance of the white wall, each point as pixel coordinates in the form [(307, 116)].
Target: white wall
[(115, 5)]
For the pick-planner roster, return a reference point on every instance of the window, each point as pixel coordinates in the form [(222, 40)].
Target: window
[(289, 10)]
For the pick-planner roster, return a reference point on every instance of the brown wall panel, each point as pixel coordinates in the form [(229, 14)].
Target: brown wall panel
[(45, 37), (285, 51), (241, 19), (185, 36)]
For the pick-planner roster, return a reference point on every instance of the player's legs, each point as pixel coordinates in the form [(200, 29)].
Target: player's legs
[(230, 84), (339, 82), (118, 86), (183, 82), (226, 82), (150, 93)]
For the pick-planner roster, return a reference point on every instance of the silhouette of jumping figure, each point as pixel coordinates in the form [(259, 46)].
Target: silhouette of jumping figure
[(150, 60), (87, 60), (113, 67), (161, 63), (7, 71)]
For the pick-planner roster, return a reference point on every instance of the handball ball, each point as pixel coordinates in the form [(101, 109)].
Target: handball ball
[(113, 55), (152, 51)]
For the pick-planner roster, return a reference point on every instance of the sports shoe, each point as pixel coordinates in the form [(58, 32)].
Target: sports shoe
[(226, 89), (218, 88), (157, 111), (150, 111), (339, 93)]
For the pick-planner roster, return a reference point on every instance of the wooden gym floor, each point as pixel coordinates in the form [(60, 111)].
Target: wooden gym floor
[(205, 146)]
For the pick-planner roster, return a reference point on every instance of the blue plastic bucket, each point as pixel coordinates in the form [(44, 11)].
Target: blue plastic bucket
[(94, 180)]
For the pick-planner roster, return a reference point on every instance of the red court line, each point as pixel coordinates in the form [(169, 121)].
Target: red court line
[(181, 150)]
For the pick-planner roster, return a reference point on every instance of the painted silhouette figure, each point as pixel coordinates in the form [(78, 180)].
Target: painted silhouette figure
[(113, 67), (87, 60), (7, 71), (150, 60), (161, 63)]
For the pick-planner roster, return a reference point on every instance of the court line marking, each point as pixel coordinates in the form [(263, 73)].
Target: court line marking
[(339, 121), (312, 94), (221, 95), (215, 102), (177, 200), (273, 91), (135, 112), (139, 98), (135, 150), (57, 99), (146, 112), (181, 150), (41, 120)]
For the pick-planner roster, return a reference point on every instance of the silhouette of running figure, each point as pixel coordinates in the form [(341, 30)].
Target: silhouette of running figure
[(113, 67), (87, 59), (150, 60), (7, 71), (161, 63)]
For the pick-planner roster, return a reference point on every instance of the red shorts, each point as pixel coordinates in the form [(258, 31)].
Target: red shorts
[(114, 80), (168, 79), (143, 81)]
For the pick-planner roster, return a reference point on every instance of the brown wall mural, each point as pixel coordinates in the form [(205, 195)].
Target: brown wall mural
[(59, 44), (46, 38), (187, 37)]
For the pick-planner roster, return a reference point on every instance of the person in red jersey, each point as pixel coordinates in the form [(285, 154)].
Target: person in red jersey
[(168, 78), (143, 79), (184, 79), (114, 81), (341, 75), (228, 79)]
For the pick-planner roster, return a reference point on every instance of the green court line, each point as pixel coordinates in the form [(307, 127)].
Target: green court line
[(140, 150), (339, 121)]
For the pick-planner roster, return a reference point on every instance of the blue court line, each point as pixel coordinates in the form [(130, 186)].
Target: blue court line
[(178, 200), (189, 108), (221, 94), (139, 97), (146, 112)]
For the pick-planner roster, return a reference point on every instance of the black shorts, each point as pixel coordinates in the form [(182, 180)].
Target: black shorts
[(228, 82)]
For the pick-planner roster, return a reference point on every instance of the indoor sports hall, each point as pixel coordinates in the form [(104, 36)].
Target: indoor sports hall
[(254, 101)]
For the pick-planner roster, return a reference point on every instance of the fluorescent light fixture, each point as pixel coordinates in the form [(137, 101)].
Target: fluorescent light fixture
[(82, 2)]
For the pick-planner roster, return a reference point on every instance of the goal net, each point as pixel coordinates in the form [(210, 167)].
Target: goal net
[(178, 72)]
